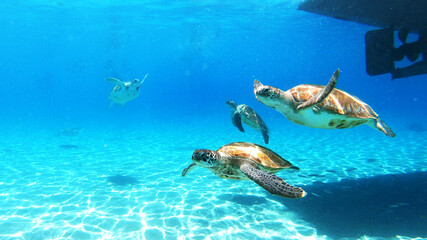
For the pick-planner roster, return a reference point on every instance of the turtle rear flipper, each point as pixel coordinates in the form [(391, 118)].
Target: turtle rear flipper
[(237, 120), (188, 169), (272, 183), (380, 125), (321, 95)]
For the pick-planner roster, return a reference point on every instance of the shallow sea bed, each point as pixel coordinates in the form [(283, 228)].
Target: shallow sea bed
[(126, 183)]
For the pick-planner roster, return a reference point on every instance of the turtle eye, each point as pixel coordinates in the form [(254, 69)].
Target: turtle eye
[(265, 91)]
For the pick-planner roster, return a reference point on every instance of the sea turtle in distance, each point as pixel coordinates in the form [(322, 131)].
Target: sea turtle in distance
[(320, 106), (246, 114), (124, 91), (247, 161)]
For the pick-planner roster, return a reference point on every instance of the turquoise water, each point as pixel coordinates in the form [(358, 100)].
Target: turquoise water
[(73, 168), (55, 186)]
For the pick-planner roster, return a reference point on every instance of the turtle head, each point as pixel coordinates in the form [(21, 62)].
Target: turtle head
[(135, 83), (266, 94), (231, 104), (205, 158)]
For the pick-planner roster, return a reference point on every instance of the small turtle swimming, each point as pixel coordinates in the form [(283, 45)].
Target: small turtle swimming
[(70, 132), (246, 114), (320, 106), (247, 161), (124, 91)]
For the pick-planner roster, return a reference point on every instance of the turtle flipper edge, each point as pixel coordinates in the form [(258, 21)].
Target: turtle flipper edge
[(380, 125), (188, 169), (116, 81), (237, 120), (265, 135), (272, 183), (319, 97), (140, 84)]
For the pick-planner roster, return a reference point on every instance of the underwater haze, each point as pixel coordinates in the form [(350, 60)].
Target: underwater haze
[(72, 167)]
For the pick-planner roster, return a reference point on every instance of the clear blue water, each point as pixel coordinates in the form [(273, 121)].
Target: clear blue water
[(73, 168)]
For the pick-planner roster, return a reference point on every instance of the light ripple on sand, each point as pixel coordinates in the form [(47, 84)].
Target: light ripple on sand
[(49, 192)]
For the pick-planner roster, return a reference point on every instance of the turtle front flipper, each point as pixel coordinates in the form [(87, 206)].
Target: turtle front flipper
[(140, 84), (188, 169), (116, 81), (237, 120), (272, 183), (321, 95), (265, 135)]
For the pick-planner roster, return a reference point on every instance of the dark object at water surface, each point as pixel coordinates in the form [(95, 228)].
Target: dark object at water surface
[(403, 16)]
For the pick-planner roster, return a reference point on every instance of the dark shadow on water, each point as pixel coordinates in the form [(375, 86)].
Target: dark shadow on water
[(7, 150), (381, 206), (68, 146), (122, 180), (246, 200)]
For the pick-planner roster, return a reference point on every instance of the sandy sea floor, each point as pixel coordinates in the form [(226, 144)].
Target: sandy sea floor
[(125, 183)]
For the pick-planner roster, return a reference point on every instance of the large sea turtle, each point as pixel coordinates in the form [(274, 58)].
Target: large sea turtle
[(246, 114), (247, 161), (124, 91), (320, 106)]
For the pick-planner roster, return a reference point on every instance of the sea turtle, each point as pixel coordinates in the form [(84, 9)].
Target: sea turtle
[(246, 114), (247, 161), (124, 91), (70, 132), (320, 106)]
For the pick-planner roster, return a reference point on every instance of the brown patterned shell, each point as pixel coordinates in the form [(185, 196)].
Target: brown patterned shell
[(337, 102), (258, 154)]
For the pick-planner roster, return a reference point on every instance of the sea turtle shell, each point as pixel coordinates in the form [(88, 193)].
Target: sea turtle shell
[(251, 118), (261, 156), (337, 102)]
